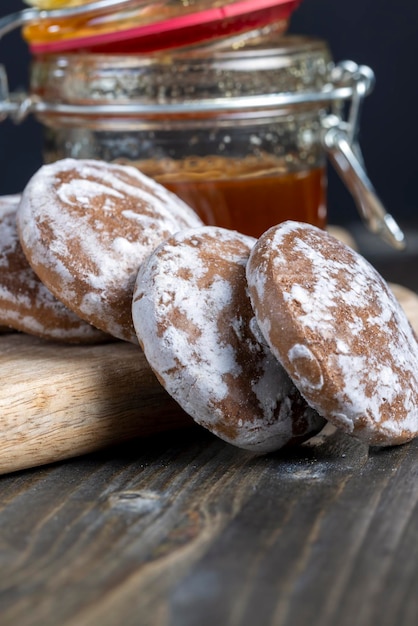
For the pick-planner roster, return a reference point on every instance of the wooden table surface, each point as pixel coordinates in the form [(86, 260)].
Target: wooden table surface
[(181, 529)]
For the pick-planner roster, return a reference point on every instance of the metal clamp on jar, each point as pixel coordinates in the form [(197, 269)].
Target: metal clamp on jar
[(240, 128)]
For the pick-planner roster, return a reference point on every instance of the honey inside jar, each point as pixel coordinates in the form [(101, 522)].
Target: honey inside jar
[(242, 195)]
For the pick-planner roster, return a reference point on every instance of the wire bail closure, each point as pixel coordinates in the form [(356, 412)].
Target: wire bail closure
[(340, 140)]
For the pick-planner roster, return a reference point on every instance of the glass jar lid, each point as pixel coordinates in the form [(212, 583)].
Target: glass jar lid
[(204, 78)]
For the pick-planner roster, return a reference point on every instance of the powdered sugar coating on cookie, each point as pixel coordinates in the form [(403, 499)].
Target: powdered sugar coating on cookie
[(336, 327), (194, 320), (25, 303), (86, 226)]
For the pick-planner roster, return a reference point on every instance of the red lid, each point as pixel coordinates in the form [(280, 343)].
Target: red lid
[(182, 30)]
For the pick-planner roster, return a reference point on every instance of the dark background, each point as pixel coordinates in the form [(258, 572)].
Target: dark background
[(380, 33)]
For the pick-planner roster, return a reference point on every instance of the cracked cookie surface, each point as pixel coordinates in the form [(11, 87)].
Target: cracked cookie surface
[(194, 320), (86, 226), (336, 327)]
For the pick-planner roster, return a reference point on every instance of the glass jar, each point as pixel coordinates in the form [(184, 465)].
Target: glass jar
[(237, 120), (200, 122)]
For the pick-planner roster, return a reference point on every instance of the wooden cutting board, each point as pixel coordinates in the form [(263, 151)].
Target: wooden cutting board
[(59, 401)]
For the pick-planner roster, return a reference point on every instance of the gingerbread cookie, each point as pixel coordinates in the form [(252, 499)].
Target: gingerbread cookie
[(86, 226), (338, 330), (194, 320), (25, 303)]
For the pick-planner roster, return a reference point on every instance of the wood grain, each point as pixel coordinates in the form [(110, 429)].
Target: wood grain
[(185, 530), (58, 401)]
